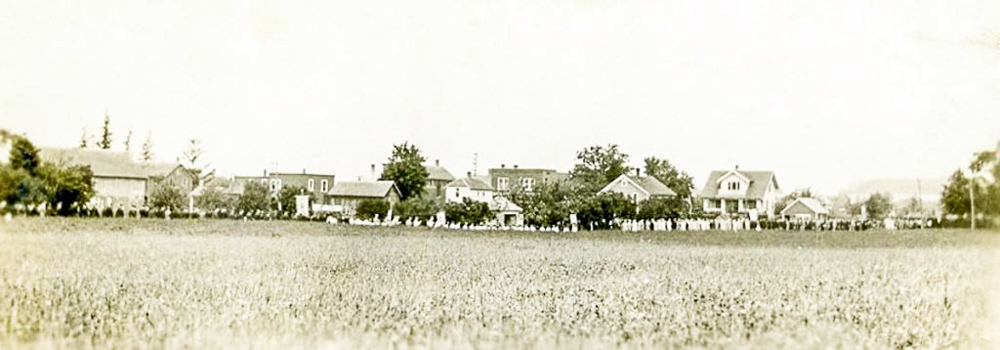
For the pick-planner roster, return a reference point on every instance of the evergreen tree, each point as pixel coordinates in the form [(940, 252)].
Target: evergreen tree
[(147, 148), (105, 142)]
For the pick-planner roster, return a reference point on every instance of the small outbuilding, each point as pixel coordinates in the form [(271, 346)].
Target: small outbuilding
[(805, 209)]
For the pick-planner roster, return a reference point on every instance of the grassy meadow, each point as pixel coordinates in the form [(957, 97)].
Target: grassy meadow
[(206, 284)]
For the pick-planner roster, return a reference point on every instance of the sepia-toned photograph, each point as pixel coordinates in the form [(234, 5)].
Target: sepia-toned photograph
[(500, 174)]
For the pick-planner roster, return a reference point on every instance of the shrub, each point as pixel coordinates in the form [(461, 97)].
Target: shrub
[(370, 208), (468, 212)]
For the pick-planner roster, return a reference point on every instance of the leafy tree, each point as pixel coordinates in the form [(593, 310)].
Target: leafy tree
[(406, 169), (19, 186), (287, 198), (256, 197), (147, 148), (167, 196), (599, 211), (677, 180), (24, 155), (68, 187), (421, 207), (598, 165), (29, 180), (661, 208), (370, 208), (468, 212), (213, 199), (879, 206), (955, 198), (105, 142), (546, 205)]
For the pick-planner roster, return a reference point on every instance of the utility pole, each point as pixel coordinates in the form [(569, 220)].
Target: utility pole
[(475, 163)]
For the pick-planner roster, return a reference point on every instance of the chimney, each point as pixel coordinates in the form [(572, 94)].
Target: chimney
[(303, 171), (468, 174), (373, 172), (503, 166), (265, 172), (515, 166), (737, 167), (437, 162), (636, 172)]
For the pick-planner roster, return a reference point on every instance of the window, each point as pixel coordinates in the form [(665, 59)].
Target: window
[(324, 185), (502, 183), (274, 185), (526, 183), (733, 186), (717, 203), (263, 182), (623, 183), (312, 185), (752, 205)]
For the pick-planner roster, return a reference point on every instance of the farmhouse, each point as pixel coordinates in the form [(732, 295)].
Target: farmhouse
[(345, 196), (316, 185), (805, 209), (740, 192), (469, 187), (504, 179), (638, 188), (507, 213), (438, 177)]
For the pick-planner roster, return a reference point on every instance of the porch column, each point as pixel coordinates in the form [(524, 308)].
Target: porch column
[(722, 205)]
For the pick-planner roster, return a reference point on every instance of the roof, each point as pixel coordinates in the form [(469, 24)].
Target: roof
[(106, 163), (503, 205), (649, 184), (814, 205), (371, 189), (758, 183), (438, 173), (473, 184), (653, 186)]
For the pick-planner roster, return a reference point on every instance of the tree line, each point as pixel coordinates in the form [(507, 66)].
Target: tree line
[(546, 204), (27, 182)]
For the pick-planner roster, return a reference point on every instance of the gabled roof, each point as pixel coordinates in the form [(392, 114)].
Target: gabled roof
[(653, 186), (647, 184), (473, 184), (106, 163), (501, 204), (369, 189), (758, 183), (438, 173), (814, 205)]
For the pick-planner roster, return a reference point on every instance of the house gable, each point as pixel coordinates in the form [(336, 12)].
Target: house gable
[(622, 182)]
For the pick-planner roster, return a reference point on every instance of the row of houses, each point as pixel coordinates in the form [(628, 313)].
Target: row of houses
[(120, 180)]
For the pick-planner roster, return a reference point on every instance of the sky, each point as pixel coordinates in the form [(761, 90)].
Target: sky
[(824, 93)]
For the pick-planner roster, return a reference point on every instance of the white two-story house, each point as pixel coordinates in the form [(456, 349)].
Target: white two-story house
[(507, 213), (741, 192)]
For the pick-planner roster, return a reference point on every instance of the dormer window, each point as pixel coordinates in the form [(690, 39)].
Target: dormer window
[(734, 186)]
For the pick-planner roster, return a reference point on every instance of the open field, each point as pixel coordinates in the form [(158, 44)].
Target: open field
[(120, 282)]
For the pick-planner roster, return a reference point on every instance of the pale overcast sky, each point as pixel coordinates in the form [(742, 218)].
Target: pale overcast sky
[(823, 92)]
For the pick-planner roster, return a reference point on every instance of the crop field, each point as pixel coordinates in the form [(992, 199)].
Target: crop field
[(207, 284)]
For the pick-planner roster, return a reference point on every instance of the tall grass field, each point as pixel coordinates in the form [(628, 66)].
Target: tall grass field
[(127, 283)]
